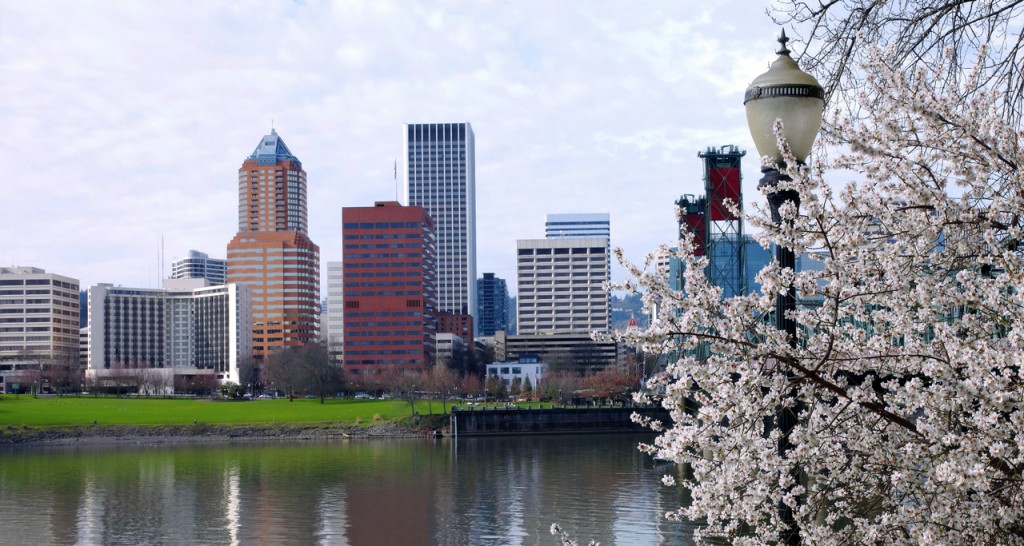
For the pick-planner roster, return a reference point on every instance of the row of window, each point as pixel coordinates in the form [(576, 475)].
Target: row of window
[(389, 333), (383, 313), (387, 264), (354, 284), (383, 274), (383, 245), (389, 352), (23, 338), (563, 250), (34, 301), (270, 250), (37, 282), (380, 225), (379, 293), (375, 236)]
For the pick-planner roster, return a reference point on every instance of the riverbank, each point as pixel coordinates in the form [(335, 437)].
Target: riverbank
[(201, 433)]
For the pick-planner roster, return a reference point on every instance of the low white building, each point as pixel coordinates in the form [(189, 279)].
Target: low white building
[(186, 329), (450, 349), (527, 367)]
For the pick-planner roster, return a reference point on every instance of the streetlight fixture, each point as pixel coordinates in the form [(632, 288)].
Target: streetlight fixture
[(793, 96)]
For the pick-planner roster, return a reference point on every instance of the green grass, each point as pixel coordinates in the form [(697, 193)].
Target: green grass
[(70, 410)]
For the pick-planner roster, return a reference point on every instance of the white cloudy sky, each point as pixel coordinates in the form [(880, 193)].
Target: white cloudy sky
[(126, 121)]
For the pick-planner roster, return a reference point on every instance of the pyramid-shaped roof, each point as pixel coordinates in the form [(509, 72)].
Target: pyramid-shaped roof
[(272, 149)]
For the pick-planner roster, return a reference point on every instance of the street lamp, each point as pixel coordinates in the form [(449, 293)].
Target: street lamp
[(793, 96)]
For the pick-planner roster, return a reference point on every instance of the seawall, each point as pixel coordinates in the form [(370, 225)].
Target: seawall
[(483, 422)]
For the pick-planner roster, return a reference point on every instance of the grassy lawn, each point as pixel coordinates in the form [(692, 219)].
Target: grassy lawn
[(25, 410)]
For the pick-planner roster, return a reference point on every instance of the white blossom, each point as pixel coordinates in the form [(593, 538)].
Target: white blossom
[(909, 369)]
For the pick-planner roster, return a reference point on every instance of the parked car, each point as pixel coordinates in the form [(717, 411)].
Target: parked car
[(362, 396)]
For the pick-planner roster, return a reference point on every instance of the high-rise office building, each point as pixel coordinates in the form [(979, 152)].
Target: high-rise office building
[(577, 225), (389, 288), (333, 322), (272, 253), (199, 265), (492, 301), (38, 325), (440, 176), (562, 285)]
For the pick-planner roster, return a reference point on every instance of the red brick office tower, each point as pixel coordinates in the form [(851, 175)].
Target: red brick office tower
[(388, 276), (272, 252)]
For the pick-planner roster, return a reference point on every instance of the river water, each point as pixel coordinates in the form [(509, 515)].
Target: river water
[(470, 491)]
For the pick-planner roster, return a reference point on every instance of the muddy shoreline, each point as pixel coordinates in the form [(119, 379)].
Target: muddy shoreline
[(11, 436)]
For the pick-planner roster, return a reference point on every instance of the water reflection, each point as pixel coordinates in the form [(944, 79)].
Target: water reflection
[(479, 491)]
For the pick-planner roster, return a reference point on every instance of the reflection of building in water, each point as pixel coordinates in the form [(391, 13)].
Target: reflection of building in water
[(232, 502), (395, 508), (508, 490), (541, 480), (331, 513), (89, 519)]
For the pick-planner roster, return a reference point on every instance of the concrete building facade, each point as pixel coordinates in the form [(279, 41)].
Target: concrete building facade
[(578, 352), (334, 320), (452, 350), (562, 285), (39, 315), (184, 329), (272, 253)]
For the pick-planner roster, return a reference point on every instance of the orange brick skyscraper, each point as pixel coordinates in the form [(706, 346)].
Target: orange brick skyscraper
[(272, 252)]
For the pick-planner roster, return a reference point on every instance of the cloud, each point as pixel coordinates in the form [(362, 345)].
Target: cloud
[(125, 121)]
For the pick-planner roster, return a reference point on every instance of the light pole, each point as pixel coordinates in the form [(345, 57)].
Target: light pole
[(789, 94)]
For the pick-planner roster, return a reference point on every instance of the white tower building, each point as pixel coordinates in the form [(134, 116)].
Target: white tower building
[(440, 176), (334, 320)]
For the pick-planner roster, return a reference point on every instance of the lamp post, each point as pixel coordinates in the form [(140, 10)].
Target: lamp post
[(789, 94)]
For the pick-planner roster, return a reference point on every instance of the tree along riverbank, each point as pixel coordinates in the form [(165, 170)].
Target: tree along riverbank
[(205, 433)]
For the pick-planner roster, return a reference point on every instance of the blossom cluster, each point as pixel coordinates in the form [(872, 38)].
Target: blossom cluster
[(907, 377)]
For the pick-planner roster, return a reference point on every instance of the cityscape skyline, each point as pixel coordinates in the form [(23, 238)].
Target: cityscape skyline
[(132, 120)]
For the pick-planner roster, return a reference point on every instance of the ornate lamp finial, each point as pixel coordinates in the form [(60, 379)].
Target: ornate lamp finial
[(782, 43)]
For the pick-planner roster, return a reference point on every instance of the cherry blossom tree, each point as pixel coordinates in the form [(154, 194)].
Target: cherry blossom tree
[(915, 32), (907, 378)]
